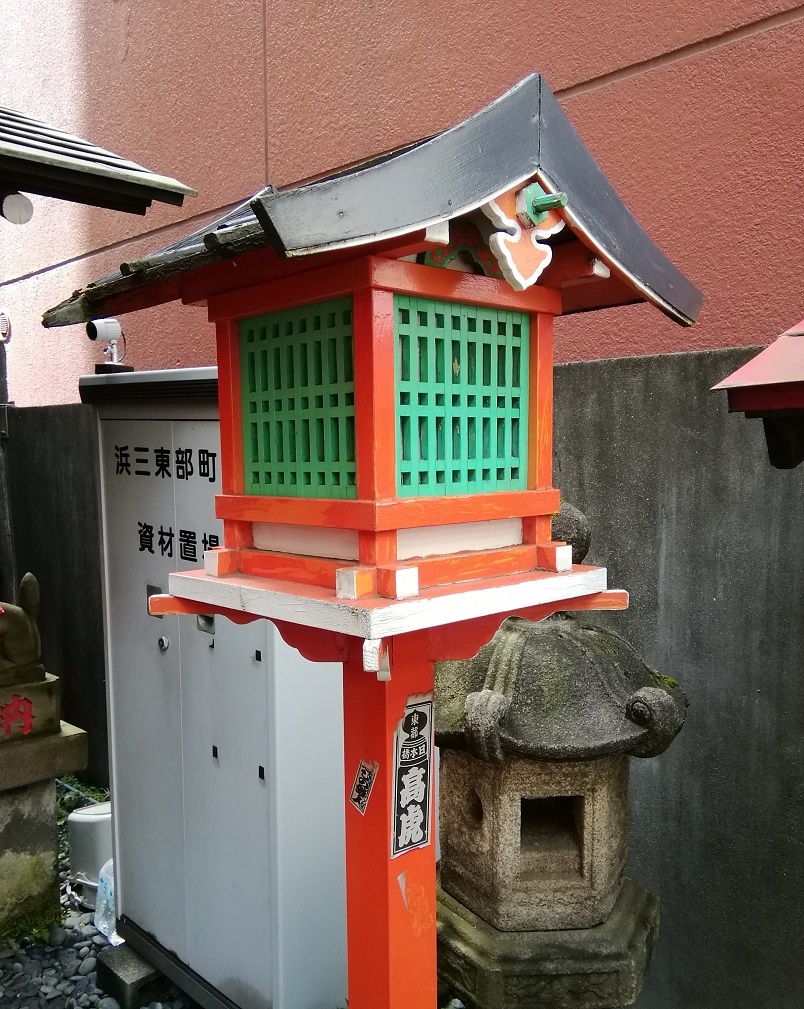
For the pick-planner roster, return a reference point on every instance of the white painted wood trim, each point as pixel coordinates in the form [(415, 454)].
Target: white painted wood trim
[(373, 651), (407, 583), (311, 541), (429, 541), (437, 233), (346, 583), (211, 559), (381, 618)]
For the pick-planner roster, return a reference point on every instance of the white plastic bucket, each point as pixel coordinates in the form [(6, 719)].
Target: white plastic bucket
[(90, 833)]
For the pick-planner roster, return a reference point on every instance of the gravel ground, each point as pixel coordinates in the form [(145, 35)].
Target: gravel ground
[(60, 973)]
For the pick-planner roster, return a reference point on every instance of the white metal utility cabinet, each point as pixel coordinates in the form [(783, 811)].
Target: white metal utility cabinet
[(226, 745)]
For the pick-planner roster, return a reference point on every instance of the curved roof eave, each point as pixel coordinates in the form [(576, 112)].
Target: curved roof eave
[(521, 135)]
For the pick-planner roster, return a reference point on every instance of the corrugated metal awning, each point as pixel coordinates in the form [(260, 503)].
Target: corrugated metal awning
[(36, 157)]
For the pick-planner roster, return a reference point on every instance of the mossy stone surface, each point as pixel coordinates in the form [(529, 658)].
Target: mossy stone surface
[(29, 882)]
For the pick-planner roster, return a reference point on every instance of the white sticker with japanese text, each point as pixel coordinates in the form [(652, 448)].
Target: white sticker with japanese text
[(413, 750)]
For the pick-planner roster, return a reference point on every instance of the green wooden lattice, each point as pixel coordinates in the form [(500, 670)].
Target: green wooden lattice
[(298, 394), (462, 387)]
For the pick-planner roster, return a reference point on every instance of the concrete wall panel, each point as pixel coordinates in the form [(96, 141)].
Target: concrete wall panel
[(689, 516), (52, 460)]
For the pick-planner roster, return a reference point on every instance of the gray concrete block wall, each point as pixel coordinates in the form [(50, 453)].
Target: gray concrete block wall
[(689, 516)]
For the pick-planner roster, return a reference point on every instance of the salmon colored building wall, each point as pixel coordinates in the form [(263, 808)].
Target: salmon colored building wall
[(694, 111)]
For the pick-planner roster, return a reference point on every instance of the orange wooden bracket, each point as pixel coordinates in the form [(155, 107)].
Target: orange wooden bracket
[(572, 262), (313, 643), (160, 606), (460, 640)]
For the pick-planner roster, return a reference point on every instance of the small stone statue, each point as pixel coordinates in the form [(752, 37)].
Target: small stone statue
[(20, 644)]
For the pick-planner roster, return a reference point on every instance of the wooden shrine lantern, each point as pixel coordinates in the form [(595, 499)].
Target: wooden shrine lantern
[(385, 359)]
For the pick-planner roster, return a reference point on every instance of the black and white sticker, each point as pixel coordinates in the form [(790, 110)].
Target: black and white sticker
[(413, 748), (364, 782)]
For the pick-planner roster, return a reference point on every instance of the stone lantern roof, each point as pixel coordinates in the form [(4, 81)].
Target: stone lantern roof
[(560, 689)]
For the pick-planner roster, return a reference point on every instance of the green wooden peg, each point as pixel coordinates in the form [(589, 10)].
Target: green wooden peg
[(533, 204)]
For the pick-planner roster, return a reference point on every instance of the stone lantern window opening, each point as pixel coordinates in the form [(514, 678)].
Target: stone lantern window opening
[(551, 836)]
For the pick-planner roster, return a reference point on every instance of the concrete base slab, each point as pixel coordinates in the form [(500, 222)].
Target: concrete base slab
[(590, 968), (28, 760), (129, 977)]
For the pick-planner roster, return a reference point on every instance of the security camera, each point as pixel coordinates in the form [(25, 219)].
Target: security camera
[(109, 331), (104, 329)]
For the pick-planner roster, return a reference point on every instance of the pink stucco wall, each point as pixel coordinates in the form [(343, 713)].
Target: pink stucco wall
[(693, 110)]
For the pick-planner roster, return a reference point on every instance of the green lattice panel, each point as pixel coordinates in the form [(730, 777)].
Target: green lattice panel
[(462, 386), (297, 380)]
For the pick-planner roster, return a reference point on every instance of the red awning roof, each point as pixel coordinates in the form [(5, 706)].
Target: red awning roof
[(773, 380)]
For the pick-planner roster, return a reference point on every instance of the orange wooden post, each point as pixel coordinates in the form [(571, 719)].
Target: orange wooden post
[(390, 901), (230, 406), (540, 419), (375, 413), (235, 534)]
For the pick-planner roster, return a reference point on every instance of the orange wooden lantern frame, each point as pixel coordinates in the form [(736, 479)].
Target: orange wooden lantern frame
[(391, 907), (377, 513)]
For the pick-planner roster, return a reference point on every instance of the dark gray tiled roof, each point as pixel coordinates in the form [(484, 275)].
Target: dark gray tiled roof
[(522, 135)]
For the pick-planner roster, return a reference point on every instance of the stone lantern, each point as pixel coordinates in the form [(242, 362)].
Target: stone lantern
[(535, 735)]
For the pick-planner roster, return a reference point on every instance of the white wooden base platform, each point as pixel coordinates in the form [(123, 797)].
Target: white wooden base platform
[(375, 617)]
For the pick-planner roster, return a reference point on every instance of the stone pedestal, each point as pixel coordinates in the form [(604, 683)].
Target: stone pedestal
[(589, 968), (534, 844), (29, 708), (35, 747), (29, 874)]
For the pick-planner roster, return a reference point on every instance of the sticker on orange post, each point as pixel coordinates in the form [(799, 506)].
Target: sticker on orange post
[(413, 749), (364, 782)]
